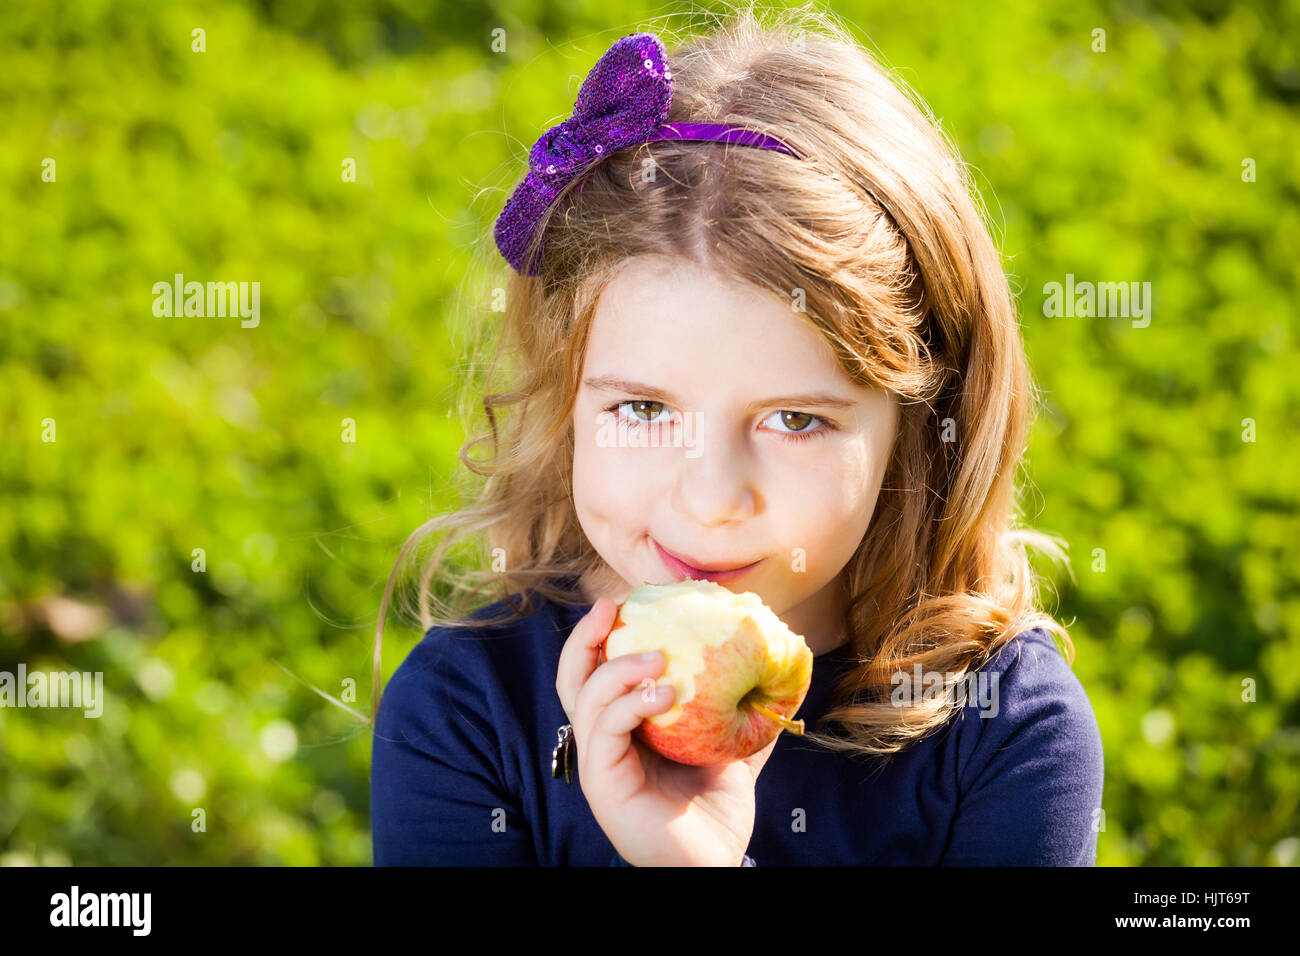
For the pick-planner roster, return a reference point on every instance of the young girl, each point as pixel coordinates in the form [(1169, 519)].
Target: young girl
[(759, 334)]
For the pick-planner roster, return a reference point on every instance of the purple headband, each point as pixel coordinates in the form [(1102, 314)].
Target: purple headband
[(623, 102)]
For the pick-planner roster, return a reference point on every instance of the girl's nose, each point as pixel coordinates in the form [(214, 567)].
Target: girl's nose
[(717, 486)]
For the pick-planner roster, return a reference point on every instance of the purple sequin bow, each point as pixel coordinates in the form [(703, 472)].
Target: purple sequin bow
[(623, 102)]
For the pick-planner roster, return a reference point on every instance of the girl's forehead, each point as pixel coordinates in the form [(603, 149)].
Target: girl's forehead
[(662, 276), (745, 369), (656, 309), (679, 334)]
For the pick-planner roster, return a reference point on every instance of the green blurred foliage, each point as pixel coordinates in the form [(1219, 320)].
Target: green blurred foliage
[(176, 434)]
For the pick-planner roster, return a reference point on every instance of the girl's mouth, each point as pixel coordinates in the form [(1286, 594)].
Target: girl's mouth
[(682, 571)]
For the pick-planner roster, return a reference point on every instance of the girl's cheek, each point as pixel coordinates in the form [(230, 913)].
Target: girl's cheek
[(607, 473)]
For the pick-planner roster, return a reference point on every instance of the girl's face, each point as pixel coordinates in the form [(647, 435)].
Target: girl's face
[(691, 439)]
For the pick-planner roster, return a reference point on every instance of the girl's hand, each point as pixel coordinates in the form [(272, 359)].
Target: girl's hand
[(655, 811)]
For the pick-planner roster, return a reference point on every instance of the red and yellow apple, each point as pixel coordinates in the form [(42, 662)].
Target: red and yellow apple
[(738, 672)]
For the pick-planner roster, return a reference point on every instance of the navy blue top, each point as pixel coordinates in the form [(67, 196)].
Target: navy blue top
[(461, 769)]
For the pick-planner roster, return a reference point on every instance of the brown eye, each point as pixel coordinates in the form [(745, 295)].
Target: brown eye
[(653, 408), (640, 409), (794, 426)]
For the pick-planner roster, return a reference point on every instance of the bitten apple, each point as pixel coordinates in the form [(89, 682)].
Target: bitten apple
[(738, 672)]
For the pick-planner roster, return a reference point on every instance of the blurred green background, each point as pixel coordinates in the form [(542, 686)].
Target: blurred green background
[(176, 434)]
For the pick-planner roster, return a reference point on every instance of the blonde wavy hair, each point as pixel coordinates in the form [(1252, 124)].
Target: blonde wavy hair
[(882, 230)]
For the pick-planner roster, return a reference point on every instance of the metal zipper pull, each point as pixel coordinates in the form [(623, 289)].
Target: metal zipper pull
[(562, 755)]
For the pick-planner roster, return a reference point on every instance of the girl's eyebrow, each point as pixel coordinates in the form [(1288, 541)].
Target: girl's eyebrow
[(612, 383)]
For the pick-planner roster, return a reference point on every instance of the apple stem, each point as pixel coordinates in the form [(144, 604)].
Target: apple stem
[(794, 726)]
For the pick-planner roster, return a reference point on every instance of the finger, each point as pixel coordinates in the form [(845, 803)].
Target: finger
[(610, 681), (579, 656), (610, 737)]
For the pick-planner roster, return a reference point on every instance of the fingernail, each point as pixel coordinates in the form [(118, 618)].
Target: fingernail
[(648, 656)]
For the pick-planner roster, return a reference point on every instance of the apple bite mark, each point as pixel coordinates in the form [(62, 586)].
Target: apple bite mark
[(738, 672), (741, 702)]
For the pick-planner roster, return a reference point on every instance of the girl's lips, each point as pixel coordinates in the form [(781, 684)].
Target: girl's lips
[(682, 571)]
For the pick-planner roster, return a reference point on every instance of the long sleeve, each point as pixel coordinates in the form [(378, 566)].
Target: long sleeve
[(436, 792), (1035, 770)]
